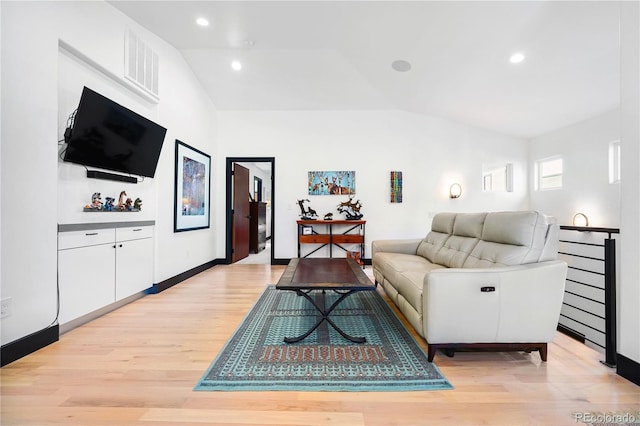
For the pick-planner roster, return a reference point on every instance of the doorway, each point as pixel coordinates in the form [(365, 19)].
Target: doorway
[(259, 187)]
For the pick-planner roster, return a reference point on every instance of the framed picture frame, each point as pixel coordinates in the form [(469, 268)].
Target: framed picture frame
[(192, 190), (332, 182)]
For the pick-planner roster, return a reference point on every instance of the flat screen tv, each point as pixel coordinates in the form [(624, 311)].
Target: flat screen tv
[(107, 135)]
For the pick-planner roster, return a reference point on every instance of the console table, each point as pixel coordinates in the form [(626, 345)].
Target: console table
[(331, 233)]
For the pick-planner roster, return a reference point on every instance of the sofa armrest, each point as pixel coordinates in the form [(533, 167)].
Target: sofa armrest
[(508, 304), (395, 246)]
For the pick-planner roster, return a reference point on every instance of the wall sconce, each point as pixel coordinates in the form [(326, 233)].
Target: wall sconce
[(580, 219), (455, 191)]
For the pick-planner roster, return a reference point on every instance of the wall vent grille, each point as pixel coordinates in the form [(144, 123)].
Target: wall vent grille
[(141, 63)]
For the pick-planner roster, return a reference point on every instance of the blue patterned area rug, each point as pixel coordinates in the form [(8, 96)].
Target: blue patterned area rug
[(256, 358)]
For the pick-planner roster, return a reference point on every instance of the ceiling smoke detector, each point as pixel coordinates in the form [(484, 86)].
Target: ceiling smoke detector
[(401, 65)]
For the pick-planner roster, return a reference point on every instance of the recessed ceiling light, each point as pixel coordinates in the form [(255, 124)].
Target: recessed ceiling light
[(516, 58), (401, 66), (237, 66), (202, 22)]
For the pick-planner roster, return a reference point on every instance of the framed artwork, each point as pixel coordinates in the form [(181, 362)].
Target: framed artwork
[(332, 183), (192, 189), (396, 187)]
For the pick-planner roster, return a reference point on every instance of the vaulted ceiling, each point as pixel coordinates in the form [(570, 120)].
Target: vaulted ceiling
[(338, 55)]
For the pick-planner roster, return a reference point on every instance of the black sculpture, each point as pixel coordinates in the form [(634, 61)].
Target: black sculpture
[(309, 213), (351, 209)]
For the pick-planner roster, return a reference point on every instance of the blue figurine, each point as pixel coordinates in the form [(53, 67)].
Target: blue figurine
[(109, 204)]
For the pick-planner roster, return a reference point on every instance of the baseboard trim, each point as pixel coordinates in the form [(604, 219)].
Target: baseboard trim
[(170, 282), (284, 261), (571, 333), (628, 368), (28, 344)]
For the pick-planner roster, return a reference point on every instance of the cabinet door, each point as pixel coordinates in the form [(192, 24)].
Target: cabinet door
[(86, 277), (134, 270)]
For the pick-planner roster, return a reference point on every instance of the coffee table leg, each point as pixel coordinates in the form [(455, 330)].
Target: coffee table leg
[(325, 317)]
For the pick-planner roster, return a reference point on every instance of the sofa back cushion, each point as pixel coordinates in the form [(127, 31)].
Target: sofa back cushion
[(441, 229), (467, 230), (513, 238)]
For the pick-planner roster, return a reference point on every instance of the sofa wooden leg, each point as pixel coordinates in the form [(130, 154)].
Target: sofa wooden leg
[(543, 352), (431, 352)]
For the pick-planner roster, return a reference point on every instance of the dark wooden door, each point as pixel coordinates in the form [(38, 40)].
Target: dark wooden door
[(240, 213)]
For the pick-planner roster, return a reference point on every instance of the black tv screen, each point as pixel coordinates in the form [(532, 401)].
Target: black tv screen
[(109, 136)]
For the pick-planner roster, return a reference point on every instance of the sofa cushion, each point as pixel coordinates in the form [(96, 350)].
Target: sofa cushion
[(469, 224), (441, 228), (510, 238), (410, 285), (487, 254), (516, 228), (455, 251), (467, 229), (391, 265), (430, 246), (443, 222)]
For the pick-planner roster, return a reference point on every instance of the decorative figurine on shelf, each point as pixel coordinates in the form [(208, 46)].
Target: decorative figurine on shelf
[(137, 204), (306, 214), (109, 204), (328, 216), (351, 209), (128, 204), (121, 201), (96, 201)]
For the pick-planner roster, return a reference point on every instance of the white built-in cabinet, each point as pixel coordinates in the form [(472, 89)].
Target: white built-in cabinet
[(103, 264)]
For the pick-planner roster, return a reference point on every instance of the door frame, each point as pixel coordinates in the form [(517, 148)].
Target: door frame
[(229, 202)]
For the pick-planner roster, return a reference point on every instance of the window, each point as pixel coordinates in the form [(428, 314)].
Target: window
[(257, 189), (614, 162), (549, 173)]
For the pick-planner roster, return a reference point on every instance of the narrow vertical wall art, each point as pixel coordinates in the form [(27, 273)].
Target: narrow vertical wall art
[(396, 187)]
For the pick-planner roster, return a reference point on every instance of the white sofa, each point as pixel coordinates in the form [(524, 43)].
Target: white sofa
[(477, 281)]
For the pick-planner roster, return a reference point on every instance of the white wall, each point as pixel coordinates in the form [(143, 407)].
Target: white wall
[(584, 148), (41, 84), (629, 290), (432, 154)]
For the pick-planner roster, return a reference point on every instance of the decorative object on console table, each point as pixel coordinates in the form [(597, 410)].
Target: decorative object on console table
[(351, 209), (192, 189), (306, 213), (353, 234), (257, 226), (396, 187), (332, 183)]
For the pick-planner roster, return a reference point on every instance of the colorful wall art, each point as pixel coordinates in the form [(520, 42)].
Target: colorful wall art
[(396, 187), (332, 183)]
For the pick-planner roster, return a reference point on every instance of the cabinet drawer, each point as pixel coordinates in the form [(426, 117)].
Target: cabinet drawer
[(314, 239), (134, 233), (91, 237)]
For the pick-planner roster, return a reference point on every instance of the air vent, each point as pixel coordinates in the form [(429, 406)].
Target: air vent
[(141, 63)]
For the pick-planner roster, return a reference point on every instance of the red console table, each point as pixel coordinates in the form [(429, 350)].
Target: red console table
[(322, 232)]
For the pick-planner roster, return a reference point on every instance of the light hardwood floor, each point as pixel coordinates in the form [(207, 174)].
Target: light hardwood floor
[(138, 365)]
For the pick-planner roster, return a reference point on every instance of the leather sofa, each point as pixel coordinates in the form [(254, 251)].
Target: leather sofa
[(477, 281)]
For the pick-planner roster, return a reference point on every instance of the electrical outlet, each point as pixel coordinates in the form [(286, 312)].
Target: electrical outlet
[(5, 307)]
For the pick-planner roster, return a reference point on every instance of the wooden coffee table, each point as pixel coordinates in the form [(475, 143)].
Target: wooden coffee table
[(342, 276)]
